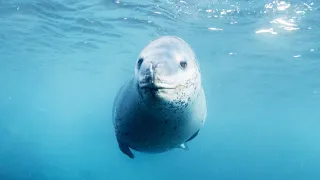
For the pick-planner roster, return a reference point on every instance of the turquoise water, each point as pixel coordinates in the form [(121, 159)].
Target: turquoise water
[(63, 61)]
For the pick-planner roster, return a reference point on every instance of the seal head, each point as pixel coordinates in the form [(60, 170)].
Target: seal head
[(167, 70)]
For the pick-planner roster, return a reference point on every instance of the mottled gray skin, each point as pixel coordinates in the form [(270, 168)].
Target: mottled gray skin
[(164, 104)]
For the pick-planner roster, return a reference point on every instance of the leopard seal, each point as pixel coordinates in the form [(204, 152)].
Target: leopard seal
[(163, 105)]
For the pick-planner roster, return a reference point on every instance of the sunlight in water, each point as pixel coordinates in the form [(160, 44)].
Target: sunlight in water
[(282, 22), (290, 26), (266, 31), (215, 29), (284, 16), (281, 6)]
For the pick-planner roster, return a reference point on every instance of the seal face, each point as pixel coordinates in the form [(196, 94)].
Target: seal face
[(163, 105)]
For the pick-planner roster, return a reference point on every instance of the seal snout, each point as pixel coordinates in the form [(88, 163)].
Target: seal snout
[(152, 77), (148, 76)]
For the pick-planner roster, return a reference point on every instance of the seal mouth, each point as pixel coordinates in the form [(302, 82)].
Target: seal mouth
[(155, 86)]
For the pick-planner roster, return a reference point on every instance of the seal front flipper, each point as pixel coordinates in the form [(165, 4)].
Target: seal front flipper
[(125, 149), (193, 136)]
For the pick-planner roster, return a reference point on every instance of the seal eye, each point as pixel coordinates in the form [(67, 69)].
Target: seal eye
[(140, 61), (183, 64)]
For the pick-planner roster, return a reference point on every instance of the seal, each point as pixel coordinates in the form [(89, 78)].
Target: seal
[(163, 105)]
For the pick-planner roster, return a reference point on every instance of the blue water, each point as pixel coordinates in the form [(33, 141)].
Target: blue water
[(62, 62)]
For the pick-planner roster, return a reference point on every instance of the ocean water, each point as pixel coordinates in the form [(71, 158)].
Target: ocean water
[(63, 61)]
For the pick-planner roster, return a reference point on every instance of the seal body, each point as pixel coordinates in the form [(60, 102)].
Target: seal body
[(163, 106)]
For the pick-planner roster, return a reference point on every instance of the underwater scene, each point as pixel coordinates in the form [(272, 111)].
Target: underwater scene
[(64, 62)]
